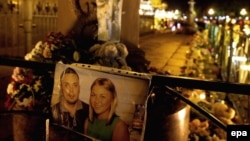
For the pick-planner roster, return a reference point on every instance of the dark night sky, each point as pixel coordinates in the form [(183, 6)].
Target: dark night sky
[(226, 5)]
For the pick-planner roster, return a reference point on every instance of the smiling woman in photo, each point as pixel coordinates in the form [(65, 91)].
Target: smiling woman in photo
[(103, 123)]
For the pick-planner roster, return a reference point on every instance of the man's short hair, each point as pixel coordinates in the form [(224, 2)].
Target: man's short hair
[(69, 70)]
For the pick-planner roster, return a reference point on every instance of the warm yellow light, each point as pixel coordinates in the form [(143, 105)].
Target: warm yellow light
[(243, 12), (245, 67), (233, 21), (202, 96), (239, 58), (211, 11), (177, 11)]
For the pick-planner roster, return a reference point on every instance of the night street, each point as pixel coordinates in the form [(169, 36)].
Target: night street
[(166, 51), (116, 70)]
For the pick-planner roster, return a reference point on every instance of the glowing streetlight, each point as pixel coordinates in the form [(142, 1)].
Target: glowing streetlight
[(243, 12), (211, 11)]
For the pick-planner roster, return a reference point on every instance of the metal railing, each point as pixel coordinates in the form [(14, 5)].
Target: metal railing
[(228, 88)]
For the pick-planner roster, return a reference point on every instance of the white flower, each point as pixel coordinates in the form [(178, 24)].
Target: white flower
[(28, 87), (26, 101), (10, 88), (47, 52), (18, 74)]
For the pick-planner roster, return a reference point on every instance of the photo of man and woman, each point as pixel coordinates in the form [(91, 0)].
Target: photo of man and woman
[(98, 104)]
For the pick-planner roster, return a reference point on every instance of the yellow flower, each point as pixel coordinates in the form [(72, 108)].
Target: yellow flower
[(47, 52), (26, 101), (10, 88), (37, 85)]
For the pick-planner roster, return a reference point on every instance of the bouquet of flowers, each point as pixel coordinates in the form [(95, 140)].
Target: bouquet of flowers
[(29, 90), (56, 47)]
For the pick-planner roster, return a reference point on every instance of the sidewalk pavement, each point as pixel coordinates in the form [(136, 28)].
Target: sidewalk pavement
[(179, 55), (166, 51)]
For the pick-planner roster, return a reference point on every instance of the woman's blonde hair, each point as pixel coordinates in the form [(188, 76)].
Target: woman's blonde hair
[(108, 85)]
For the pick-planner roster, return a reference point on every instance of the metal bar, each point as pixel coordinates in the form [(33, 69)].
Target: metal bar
[(198, 108), (26, 64), (175, 81), (156, 79), (163, 80)]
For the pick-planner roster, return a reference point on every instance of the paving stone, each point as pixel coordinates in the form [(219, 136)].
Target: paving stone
[(176, 62)]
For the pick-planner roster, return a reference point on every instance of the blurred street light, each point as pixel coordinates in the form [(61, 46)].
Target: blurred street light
[(243, 12), (211, 12)]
